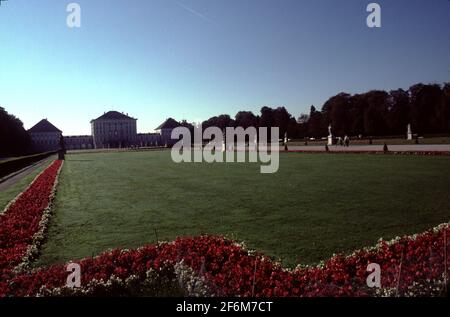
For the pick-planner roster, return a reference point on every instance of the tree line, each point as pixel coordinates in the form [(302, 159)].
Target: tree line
[(375, 113), (14, 139)]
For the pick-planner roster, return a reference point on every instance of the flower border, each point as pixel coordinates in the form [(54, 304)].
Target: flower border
[(215, 266), (40, 236), (24, 221), (13, 201)]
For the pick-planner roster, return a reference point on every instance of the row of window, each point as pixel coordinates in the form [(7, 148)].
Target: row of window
[(45, 135), (46, 142), (105, 128)]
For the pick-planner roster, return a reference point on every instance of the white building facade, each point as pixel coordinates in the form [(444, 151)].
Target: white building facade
[(114, 130)]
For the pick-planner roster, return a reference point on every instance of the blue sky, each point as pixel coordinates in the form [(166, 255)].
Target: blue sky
[(192, 59)]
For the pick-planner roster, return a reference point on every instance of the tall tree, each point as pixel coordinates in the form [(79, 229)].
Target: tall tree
[(398, 116), (444, 109), (302, 126), (14, 139), (358, 104), (267, 117), (223, 121), (245, 119), (376, 112), (282, 118), (316, 123), (337, 113), (425, 101)]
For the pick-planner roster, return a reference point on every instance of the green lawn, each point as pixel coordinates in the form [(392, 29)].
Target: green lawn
[(316, 205), (11, 192)]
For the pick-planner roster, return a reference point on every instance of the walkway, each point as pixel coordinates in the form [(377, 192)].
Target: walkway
[(13, 178), (376, 148)]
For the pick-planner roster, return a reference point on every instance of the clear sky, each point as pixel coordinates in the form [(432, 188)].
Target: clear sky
[(192, 59)]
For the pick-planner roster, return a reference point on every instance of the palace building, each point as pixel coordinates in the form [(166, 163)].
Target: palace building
[(45, 136), (113, 129), (79, 142), (165, 131)]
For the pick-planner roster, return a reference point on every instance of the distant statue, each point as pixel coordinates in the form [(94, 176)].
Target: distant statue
[(62, 144), (409, 132), (224, 141), (286, 142), (62, 148), (330, 136)]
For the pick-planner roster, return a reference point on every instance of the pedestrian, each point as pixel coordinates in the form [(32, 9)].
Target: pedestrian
[(347, 141)]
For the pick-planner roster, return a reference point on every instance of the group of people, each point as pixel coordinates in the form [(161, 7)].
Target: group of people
[(343, 141)]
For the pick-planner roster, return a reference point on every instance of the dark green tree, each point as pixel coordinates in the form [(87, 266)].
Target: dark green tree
[(14, 139)]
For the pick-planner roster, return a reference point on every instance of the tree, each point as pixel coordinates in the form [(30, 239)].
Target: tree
[(302, 126), (375, 113), (358, 104), (293, 129), (245, 119), (223, 121), (282, 118), (425, 101), (336, 112), (266, 119), (444, 109), (316, 124), (303, 118), (14, 139), (398, 116)]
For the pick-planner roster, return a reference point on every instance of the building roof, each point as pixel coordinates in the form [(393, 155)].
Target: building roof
[(169, 124), (114, 115), (44, 126)]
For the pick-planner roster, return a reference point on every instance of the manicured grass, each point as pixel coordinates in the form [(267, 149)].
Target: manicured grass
[(12, 191), (316, 205)]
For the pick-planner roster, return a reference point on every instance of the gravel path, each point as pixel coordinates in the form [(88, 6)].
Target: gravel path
[(374, 148), (13, 179)]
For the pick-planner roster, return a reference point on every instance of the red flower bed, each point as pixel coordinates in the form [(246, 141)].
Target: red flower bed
[(229, 269), (21, 220)]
